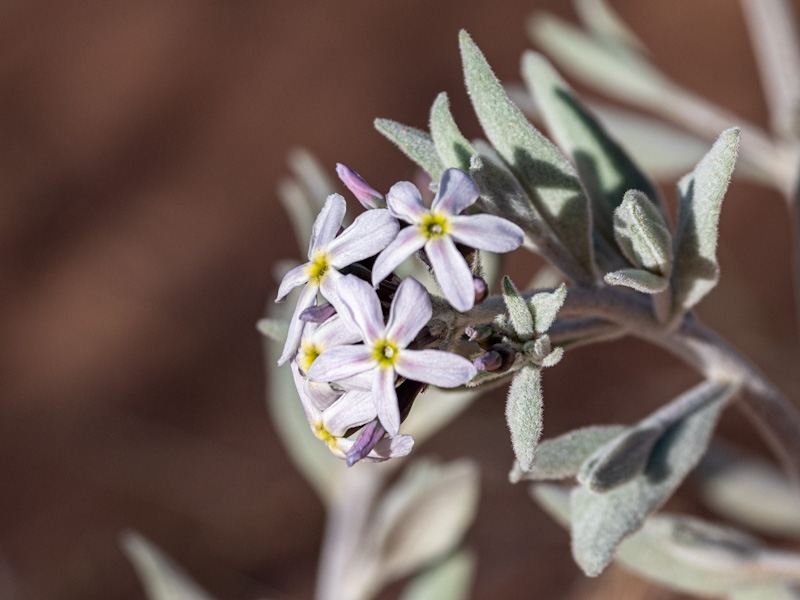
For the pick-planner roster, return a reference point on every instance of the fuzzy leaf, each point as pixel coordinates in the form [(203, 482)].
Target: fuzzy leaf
[(552, 359), (313, 177), (415, 144), (424, 515), (638, 279), (775, 591), (546, 175), (524, 414), (545, 307), (604, 169), (273, 329), (562, 457), (599, 17), (450, 579), (518, 311), (601, 521), (453, 148), (642, 234), (700, 197), (160, 576)]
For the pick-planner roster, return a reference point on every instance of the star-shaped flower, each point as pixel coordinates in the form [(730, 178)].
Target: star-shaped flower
[(439, 228), (384, 353), (369, 234)]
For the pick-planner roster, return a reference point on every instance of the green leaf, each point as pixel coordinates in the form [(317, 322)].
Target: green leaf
[(601, 521), (605, 171), (601, 19), (638, 279), (552, 359), (453, 148), (545, 307), (160, 576), (700, 197), (415, 144), (273, 329), (313, 177), (777, 591), (518, 311), (642, 234), (562, 457), (547, 176), (524, 414), (450, 579)]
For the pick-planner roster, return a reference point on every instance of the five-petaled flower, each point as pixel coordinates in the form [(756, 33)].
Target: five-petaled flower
[(385, 353), (369, 234), (439, 228)]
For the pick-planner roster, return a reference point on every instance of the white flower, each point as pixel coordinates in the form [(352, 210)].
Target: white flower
[(369, 234), (439, 228), (384, 353)]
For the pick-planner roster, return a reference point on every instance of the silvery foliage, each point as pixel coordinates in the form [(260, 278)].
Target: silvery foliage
[(617, 265)]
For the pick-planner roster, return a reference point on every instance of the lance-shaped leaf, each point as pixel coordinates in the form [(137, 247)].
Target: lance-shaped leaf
[(562, 457), (547, 176), (453, 148), (518, 311), (693, 556), (605, 170), (700, 197), (545, 307), (160, 576), (601, 521), (415, 144), (601, 19), (450, 579), (638, 279), (524, 414), (642, 234), (273, 329)]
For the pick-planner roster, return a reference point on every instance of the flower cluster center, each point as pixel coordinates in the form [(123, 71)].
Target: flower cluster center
[(318, 267), (385, 353), (434, 225)]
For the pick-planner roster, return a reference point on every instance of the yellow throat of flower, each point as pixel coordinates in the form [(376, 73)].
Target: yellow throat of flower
[(385, 353), (318, 267), (434, 225)]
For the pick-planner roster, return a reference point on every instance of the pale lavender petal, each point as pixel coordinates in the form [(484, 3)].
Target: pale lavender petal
[(353, 409), (410, 312), (436, 367), (387, 448), (362, 381), (385, 398), (455, 193), (370, 233), (367, 439), (307, 297), (335, 332), (405, 202), (359, 303), (327, 224), (318, 314), (313, 414), (408, 241), (291, 280), (364, 192), (486, 232), (322, 395), (341, 362), (451, 272)]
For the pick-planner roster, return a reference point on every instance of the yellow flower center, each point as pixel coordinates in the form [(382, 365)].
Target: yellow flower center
[(307, 354), (318, 267), (324, 435), (434, 225), (385, 353)]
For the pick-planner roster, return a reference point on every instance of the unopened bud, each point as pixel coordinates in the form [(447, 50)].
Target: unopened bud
[(364, 192), (318, 314), (497, 359), (481, 289), (365, 442)]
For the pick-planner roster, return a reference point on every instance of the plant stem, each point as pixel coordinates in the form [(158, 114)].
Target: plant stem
[(774, 415)]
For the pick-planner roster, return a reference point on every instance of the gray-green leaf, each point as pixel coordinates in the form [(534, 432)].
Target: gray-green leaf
[(547, 176), (642, 234), (453, 148), (700, 197), (524, 414), (518, 311), (638, 279), (545, 307), (605, 170), (601, 521), (273, 329), (415, 144), (450, 579)]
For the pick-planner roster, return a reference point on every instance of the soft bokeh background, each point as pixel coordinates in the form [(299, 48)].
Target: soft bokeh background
[(140, 146)]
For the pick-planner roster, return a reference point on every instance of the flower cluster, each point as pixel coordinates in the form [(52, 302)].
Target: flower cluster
[(360, 358)]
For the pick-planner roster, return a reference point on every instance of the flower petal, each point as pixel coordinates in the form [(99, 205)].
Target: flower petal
[(385, 398), (455, 193), (327, 223), (358, 302), (451, 272), (370, 233), (436, 367), (334, 332), (405, 201), (353, 409), (486, 232), (313, 414), (407, 242), (291, 280), (341, 362), (307, 297), (384, 450), (364, 192), (410, 312)]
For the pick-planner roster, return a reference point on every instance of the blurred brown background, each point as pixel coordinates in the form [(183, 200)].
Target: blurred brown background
[(140, 146)]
